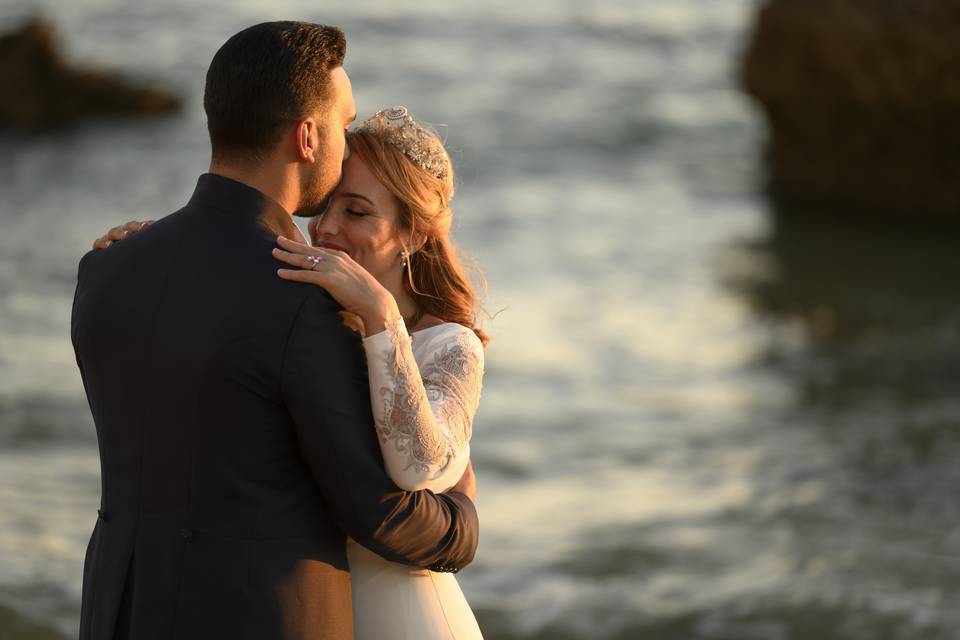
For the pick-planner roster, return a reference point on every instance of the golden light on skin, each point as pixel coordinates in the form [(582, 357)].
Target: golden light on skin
[(362, 220)]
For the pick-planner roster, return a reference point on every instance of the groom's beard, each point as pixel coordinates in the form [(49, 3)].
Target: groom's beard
[(316, 196), (315, 210)]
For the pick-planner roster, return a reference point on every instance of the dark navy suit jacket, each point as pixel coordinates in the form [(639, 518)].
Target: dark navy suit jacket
[(236, 439)]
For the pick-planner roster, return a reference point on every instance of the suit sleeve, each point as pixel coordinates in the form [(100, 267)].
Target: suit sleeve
[(324, 385), (76, 315)]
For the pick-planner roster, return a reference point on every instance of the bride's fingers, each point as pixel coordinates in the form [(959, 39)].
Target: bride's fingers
[(117, 233), (308, 250), (299, 275), (295, 247), (297, 260), (120, 232)]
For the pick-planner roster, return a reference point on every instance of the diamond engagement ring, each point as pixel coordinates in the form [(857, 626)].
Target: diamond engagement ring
[(314, 261)]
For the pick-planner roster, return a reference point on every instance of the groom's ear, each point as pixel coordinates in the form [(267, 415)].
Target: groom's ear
[(307, 140)]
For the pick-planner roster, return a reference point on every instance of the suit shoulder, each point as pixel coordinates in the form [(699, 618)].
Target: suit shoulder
[(90, 262), (315, 300), (85, 260)]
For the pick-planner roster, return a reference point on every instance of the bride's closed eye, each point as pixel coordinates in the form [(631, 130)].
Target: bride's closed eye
[(356, 212)]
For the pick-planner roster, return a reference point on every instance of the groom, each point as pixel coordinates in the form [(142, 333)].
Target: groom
[(232, 407)]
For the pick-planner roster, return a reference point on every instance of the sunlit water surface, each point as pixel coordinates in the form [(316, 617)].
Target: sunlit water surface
[(697, 422)]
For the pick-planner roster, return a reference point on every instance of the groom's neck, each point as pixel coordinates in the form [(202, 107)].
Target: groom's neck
[(277, 183)]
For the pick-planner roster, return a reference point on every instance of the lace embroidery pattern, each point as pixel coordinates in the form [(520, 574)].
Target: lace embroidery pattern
[(428, 413)]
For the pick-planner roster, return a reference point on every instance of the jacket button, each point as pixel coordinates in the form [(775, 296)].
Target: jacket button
[(186, 534), (102, 515)]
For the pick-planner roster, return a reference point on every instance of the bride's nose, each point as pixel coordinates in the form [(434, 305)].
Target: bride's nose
[(323, 225), (312, 226)]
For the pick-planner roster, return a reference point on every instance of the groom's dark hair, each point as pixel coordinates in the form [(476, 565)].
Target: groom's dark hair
[(264, 79)]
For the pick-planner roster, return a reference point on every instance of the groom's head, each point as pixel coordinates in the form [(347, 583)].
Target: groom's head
[(277, 94)]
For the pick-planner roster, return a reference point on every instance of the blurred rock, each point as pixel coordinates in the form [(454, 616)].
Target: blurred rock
[(38, 90), (864, 320), (863, 103)]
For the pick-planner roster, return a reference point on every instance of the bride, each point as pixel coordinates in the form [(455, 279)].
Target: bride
[(382, 248)]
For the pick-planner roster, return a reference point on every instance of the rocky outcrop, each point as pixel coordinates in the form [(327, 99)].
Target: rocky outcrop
[(863, 103), (38, 90)]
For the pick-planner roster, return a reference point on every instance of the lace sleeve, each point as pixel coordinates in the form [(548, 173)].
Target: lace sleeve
[(424, 414)]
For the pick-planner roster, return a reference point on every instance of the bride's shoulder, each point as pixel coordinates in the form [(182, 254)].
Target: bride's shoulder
[(438, 334)]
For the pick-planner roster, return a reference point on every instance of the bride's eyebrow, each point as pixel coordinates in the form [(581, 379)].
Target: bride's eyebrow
[(350, 194)]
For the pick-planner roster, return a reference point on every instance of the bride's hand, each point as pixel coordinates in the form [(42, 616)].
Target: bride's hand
[(350, 284), (467, 484), (119, 233)]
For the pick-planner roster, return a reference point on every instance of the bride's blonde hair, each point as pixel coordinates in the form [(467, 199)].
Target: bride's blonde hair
[(435, 275)]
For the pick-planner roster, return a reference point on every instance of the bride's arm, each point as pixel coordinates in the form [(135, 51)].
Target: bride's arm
[(424, 416)]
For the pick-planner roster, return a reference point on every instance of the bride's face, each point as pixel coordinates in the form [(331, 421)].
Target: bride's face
[(362, 219)]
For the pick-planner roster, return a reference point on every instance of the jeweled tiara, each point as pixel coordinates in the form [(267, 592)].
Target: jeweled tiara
[(422, 147)]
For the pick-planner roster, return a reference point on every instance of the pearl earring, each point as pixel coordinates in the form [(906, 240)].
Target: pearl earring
[(404, 259)]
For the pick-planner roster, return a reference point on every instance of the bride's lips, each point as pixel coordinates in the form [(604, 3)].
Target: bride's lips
[(330, 245)]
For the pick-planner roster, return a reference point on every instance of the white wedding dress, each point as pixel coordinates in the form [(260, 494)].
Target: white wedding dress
[(425, 390)]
